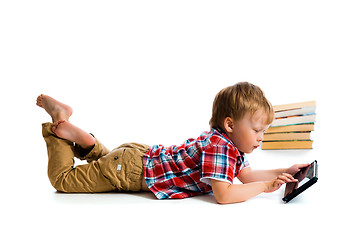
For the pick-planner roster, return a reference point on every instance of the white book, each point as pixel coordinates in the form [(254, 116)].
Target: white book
[(292, 106), (294, 112), (294, 120)]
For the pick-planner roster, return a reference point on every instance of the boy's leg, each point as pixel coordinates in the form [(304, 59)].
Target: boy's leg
[(62, 174), (65, 130), (91, 154), (87, 147)]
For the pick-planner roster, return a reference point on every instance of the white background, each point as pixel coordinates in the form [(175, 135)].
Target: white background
[(147, 71)]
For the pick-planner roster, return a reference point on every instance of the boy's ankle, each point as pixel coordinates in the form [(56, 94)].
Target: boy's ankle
[(84, 151)]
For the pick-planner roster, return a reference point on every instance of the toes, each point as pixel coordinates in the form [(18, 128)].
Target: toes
[(39, 100)]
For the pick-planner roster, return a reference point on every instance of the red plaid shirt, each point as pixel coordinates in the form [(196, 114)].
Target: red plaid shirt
[(185, 171)]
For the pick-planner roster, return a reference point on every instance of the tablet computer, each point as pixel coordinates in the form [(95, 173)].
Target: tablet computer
[(306, 177)]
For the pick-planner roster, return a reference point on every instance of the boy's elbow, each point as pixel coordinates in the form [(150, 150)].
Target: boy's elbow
[(222, 202), (221, 197), (224, 199), (223, 192)]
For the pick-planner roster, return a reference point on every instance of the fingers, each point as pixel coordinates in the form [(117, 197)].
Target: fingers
[(280, 180), (285, 178), (277, 184), (304, 165), (297, 167)]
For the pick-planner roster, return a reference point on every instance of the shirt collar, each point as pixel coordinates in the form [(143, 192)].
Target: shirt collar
[(228, 139)]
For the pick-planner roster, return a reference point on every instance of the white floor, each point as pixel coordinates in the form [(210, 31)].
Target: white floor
[(148, 72), (31, 207)]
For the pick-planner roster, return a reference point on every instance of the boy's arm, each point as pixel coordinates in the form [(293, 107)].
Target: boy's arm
[(247, 175), (225, 192)]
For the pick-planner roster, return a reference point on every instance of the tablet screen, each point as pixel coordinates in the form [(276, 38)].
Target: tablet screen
[(303, 176)]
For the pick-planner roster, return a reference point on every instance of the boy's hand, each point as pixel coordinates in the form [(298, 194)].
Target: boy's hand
[(295, 168), (275, 184)]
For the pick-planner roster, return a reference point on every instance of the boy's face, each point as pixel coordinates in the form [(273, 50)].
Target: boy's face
[(247, 133)]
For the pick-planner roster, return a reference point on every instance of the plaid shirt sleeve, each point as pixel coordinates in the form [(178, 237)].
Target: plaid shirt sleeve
[(219, 162)]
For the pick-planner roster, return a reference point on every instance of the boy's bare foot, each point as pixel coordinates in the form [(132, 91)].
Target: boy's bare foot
[(68, 131), (57, 110)]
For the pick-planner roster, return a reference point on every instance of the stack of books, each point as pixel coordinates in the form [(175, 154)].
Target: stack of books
[(292, 127)]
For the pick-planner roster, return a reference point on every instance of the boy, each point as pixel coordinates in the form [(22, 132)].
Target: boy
[(240, 116)]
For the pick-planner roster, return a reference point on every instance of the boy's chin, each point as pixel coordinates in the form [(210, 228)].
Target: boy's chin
[(249, 150)]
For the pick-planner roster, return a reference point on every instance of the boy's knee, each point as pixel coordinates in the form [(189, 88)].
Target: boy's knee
[(58, 181)]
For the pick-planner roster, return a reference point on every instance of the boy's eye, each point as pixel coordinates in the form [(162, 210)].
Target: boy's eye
[(259, 130)]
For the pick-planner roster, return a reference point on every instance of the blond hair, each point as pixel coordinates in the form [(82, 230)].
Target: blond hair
[(238, 100)]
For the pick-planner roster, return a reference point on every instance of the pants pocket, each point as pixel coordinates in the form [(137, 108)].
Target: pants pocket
[(123, 166), (109, 165)]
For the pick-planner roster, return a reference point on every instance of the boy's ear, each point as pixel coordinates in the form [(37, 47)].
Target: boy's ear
[(228, 124)]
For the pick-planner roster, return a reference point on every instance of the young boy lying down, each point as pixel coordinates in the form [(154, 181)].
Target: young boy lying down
[(240, 116)]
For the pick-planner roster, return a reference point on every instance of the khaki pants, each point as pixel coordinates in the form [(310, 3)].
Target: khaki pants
[(120, 169)]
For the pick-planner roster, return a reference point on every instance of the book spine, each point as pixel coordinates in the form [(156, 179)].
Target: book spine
[(287, 136), (287, 145), (291, 128)]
